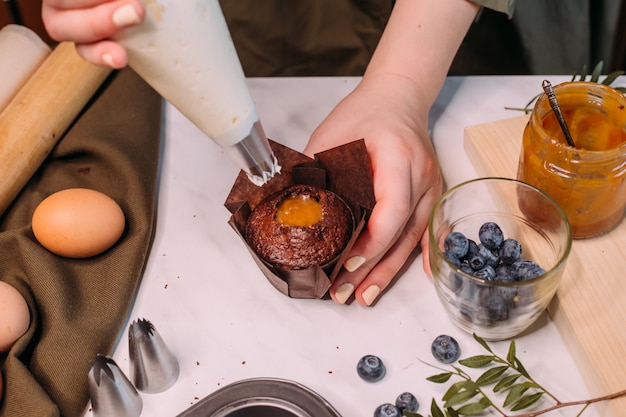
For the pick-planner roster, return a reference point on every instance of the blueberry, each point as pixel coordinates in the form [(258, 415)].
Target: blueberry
[(486, 273), (407, 402), (491, 235), (469, 300), (525, 269), (453, 259), (510, 251), (503, 271), (496, 307), (445, 349), (503, 277), (508, 292), (466, 267), (476, 261), (472, 248), (491, 307), (370, 368), (456, 244), (491, 257), (387, 410), (466, 293), (455, 281)]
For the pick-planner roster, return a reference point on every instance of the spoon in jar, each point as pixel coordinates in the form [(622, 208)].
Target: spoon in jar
[(547, 88)]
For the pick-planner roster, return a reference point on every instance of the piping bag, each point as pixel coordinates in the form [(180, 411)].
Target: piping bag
[(184, 50)]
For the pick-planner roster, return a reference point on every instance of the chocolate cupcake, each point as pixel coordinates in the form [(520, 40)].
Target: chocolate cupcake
[(299, 227), (343, 172)]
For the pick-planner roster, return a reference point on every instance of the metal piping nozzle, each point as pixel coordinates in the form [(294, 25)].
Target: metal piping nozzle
[(254, 154), (153, 367), (112, 394)]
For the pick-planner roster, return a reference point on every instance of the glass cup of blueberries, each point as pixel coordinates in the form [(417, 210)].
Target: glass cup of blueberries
[(497, 261)]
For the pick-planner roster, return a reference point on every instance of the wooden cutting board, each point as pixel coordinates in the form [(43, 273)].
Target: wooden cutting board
[(590, 306)]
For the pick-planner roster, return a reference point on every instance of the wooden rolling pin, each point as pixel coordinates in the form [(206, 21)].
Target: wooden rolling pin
[(40, 113), (21, 52)]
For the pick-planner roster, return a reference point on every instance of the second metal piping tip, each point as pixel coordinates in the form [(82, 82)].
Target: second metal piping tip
[(112, 394), (153, 367)]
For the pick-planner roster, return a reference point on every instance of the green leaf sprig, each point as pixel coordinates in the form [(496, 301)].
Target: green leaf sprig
[(594, 77), (504, 376)]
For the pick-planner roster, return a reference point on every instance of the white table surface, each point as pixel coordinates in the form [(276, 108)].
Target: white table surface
[(225, 322)]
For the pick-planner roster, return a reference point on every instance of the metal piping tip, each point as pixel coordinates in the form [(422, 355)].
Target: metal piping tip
[(112, 394), (153, 367), (255, 156)]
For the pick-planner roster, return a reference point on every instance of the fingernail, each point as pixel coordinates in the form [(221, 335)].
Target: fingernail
[(344, 292), (108, 60), (370, 294), (125, 16), (352, 264)]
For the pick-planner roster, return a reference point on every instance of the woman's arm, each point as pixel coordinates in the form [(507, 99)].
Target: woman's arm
[(421, 40), (389, 109)]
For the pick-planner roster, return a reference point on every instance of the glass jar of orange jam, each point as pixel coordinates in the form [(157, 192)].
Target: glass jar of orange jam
[(589, 179)]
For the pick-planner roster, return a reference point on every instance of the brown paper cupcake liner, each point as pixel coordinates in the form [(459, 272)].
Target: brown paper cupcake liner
[(345, 171)]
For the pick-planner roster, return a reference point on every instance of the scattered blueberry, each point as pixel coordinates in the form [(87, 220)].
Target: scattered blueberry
[(370, 368), (407, 402), (456, 244), (491, 235), (445, 349), (387, 410), (510, 251)]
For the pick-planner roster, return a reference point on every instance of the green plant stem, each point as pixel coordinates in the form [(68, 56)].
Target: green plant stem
[(582, 410), (511, 362), (526, 110), (465, 376), (528, 377), (559, 404), (554, 407)]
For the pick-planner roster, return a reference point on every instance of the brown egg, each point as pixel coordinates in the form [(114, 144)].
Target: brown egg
[(14, 316), (78, 223)]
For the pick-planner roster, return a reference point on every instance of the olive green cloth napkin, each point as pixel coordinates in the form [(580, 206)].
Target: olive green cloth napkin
[(79, 307)]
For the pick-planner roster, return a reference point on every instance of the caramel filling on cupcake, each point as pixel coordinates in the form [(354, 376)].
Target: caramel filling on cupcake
[(299, 210), (299, 227)]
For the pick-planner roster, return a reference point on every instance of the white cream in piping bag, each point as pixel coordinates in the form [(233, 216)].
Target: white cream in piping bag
[(184, 50)]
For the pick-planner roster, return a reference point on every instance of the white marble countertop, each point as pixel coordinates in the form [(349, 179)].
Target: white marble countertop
[(225, 322)]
